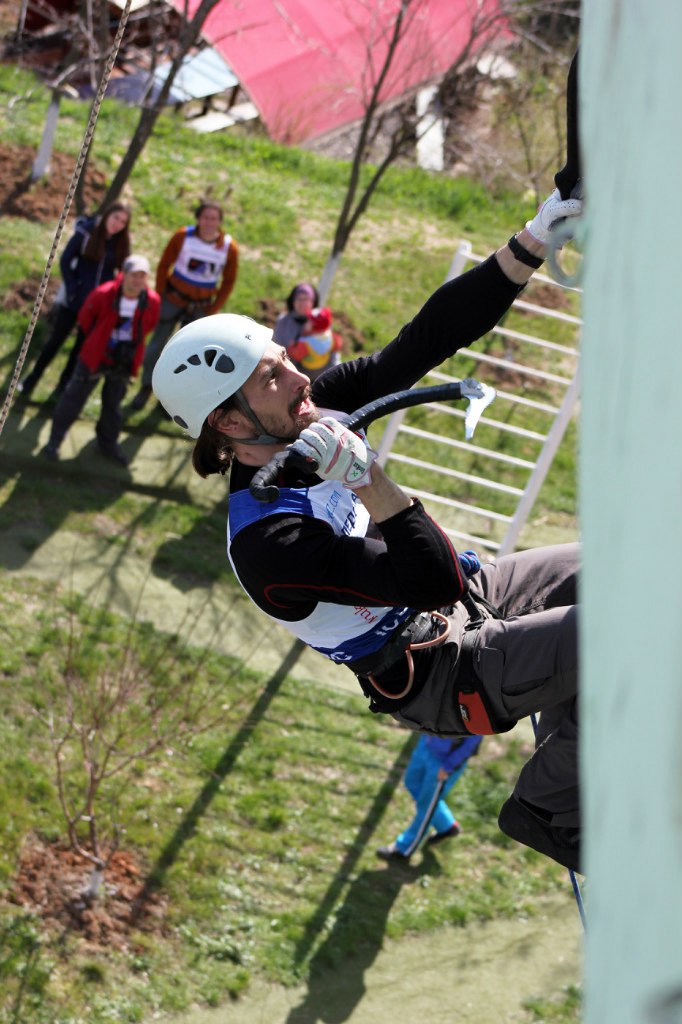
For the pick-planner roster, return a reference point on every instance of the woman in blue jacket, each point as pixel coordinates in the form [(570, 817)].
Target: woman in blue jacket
[(93, 255), (435, 766)]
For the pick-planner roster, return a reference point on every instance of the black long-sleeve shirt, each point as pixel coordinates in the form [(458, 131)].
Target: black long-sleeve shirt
[(289, 562)]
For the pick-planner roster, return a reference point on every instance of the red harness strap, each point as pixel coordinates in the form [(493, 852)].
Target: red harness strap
[(473, 705)]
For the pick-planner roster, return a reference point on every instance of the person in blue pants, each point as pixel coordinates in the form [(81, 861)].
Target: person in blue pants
[(436, 764)]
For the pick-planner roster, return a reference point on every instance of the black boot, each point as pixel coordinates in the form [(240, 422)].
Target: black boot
[(518, 821)]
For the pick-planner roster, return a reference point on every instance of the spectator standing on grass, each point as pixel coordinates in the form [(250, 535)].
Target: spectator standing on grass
[(92, 256), (305, 331), (115, 319), (195, 277), (436, 764)]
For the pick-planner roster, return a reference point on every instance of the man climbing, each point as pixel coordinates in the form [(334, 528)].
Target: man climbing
[(356, 569)]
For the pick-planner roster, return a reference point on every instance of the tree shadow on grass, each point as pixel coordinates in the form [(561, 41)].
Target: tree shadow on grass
[(192, 818), (360, 922), (190, 822), (45, 493), (336, 982)]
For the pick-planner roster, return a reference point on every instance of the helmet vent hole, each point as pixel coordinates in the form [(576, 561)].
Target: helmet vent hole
[(180, 422), (209, 356), (224, 364), (194, 360), (180, 369)]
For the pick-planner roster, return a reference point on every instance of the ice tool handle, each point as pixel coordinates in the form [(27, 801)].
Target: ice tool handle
[(263, 486), (568, 180)]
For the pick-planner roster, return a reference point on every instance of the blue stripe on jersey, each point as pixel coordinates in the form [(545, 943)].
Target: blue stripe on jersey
[(244, 509), (208, 283)]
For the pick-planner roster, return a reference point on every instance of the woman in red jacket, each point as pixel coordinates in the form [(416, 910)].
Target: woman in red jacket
[(115, 320)]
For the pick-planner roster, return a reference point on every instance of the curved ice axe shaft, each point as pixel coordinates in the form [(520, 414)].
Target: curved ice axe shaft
[(263, 487)]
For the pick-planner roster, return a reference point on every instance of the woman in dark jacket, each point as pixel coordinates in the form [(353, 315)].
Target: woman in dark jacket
[(93, 255)]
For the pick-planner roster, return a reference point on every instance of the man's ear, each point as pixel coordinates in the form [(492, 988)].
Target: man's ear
[(226, 420)]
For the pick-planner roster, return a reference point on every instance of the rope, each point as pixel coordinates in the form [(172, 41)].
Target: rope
[(87, 139), (571, 873)]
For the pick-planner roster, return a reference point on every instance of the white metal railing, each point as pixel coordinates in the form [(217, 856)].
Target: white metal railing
[(447, 459)]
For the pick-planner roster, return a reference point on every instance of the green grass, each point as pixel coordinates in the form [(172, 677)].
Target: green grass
[(281, 206), (229, 826), (260, 831)]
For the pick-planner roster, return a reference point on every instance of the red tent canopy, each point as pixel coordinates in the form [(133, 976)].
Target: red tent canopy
[(308, 65)]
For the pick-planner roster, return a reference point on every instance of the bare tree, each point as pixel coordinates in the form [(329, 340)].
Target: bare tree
[(397, 123), (81, 56), (152, 109), (109, 709), (530, 106), (490, 27), (82, 40)]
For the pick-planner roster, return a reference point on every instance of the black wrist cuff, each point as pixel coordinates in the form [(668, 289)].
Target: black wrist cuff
[(522, 255)]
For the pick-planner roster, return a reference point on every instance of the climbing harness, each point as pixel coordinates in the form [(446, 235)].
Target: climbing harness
[(85, 147), (416, 636)]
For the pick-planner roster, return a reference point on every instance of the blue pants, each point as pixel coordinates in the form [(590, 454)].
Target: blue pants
[(428, 793)]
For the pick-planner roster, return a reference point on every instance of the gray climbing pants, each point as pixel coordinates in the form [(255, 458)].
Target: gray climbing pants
[(526, 662)]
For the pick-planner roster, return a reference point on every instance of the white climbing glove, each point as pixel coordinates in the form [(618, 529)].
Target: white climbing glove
[(340, 454), (553, 210)]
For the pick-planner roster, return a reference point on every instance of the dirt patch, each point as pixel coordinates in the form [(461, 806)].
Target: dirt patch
[(51, 881), (23, 294), (43, 200)]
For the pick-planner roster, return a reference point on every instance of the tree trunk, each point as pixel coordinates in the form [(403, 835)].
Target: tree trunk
[(79, 194), (328, 274), (41, 164), (144, 129), (149, 115)]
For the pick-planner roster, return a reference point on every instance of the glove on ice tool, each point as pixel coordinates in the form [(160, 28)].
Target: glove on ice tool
[(263, 487)]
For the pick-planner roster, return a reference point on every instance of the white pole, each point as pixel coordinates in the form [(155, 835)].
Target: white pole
[(631, 510)]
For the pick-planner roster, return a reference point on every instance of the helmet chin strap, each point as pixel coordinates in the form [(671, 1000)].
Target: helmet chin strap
[(264, 437)]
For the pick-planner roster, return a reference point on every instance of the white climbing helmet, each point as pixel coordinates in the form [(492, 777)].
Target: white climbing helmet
[(206, 362)]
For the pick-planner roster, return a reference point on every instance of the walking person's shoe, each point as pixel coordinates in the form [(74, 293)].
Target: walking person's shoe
[(449, 833), (115, 454), (527, 826), (392, 853), (141, 398)]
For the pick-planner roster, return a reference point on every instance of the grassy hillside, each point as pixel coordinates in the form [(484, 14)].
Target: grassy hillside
[(256, 836), (255, 839)]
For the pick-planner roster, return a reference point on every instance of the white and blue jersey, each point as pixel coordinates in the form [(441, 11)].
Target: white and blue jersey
[(341, 632)]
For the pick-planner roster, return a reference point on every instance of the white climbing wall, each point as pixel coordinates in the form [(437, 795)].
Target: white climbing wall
[(631, 509)]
